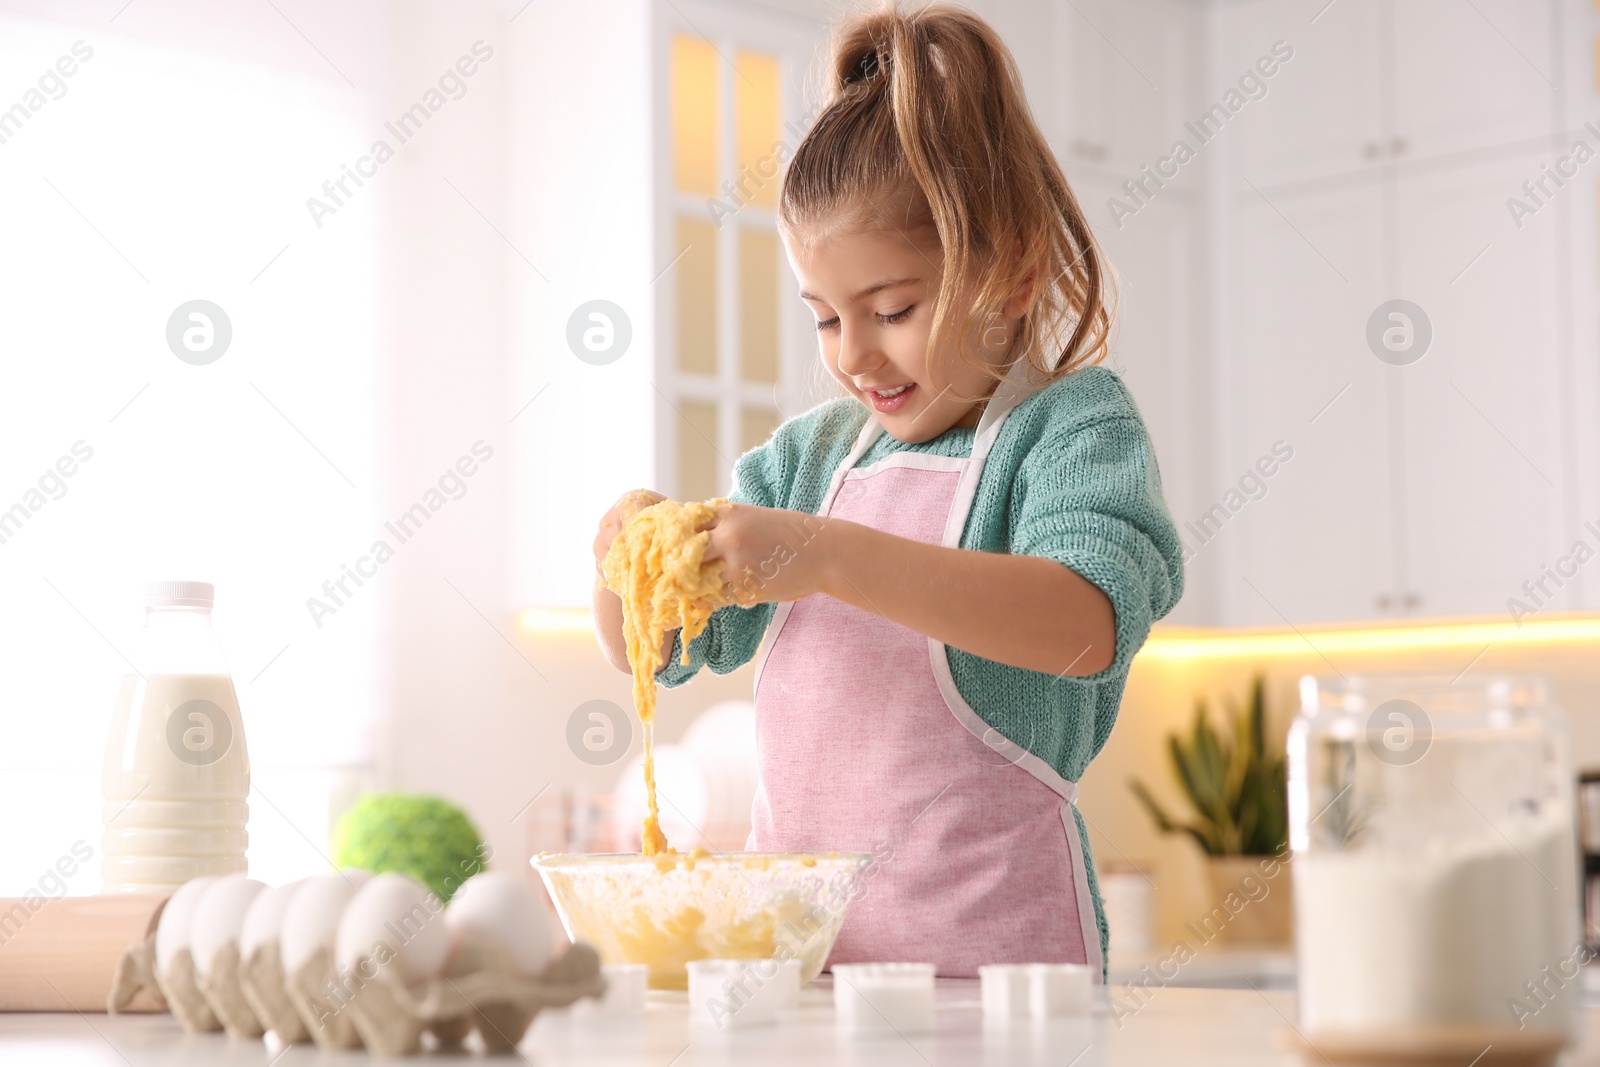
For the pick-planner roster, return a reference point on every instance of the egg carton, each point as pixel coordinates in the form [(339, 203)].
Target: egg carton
[(177, 989), (322, 1017), (369, 1006), (480, 991), (135, 974), (227, 1001), (262, 981)]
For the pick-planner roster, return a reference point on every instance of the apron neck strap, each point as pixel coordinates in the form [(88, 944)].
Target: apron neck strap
[(1012, 390)]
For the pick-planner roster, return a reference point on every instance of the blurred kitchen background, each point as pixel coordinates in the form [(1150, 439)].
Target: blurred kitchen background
[(545, 230)]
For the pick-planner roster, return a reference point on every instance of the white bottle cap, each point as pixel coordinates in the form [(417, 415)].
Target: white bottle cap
[(1056, 990), (1004, 988), (736, 994), (884, 997), (179, 595)]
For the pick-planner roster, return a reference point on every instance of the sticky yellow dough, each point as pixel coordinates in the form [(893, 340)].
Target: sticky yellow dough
[(667, 941), (667, 947), (656, 566)]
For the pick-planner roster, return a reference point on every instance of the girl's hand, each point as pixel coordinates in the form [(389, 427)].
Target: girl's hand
[(768, 555), (611, 523)]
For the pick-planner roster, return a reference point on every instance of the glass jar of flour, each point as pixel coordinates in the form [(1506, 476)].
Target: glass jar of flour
[(1435, 857), (176, 773)]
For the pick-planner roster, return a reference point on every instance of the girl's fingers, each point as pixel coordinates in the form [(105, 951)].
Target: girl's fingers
[(713, 547), (719, 551), (633, 502)]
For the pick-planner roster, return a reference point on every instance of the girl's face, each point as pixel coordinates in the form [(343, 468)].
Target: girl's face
[(872, 293)]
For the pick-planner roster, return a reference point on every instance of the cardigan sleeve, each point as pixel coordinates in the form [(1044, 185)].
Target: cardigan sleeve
[(1089, 497)]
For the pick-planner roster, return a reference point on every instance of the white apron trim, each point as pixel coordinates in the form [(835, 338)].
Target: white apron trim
[(1080, 891), (919, 461)]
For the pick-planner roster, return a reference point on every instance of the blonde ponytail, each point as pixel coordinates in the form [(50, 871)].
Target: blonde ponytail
[(929, 105)]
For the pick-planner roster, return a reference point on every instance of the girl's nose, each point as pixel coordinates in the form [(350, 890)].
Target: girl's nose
[(858, 353)]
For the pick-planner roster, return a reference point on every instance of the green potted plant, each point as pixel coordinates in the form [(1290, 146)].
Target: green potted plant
[(1237, 791)]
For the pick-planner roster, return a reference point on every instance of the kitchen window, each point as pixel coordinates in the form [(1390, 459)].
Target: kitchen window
[(686, 146), (732, 348)]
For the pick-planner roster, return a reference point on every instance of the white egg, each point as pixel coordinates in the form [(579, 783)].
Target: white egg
[(312, 917), (172, 932), (218, 917), (398, 912), (505, 908), (264, 921)]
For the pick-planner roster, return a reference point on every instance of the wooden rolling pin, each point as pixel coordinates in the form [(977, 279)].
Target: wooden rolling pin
[(62, 956)]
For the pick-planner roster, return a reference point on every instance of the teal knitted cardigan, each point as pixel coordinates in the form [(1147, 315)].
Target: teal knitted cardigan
[(1071, 477)]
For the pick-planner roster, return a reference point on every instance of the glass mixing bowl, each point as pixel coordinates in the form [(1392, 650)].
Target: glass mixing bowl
[(664, 911)]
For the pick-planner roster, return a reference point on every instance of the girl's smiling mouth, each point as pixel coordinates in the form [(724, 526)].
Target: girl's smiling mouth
[(890, 399)]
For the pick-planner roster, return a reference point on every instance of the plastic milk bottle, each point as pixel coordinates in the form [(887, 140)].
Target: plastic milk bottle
[(176, 771)]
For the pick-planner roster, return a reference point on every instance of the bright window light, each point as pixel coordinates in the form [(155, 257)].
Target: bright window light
[(150, 177)]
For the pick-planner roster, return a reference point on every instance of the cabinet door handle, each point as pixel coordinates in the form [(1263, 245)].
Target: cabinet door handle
[(1383, 602), (1373, 150), (1397, 147), (1413, 600), (1090, 150)]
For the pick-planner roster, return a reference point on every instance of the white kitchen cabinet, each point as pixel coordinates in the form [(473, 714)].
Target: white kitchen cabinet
[(1376, 167), (1374, 81), (1436, 487), (1322, 111), (1441, 486), (1316, 543), (1123, 79), (1487, 478), (1469, 76)]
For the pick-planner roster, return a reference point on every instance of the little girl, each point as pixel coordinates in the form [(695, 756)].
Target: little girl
[(943, 574)]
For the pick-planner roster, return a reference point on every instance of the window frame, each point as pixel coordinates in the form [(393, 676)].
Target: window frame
[(793, 42)]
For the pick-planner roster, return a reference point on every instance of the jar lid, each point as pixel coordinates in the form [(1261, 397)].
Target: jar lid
[(1438, 693), (179, 595)]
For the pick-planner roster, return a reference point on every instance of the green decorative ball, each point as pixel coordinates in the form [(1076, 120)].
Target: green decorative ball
[(424, 836)]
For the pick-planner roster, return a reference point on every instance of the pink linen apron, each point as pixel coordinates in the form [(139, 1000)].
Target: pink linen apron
[(865, 745)]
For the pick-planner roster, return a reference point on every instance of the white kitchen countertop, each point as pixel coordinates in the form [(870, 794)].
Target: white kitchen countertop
[(1215, 968), (1173, 1027)]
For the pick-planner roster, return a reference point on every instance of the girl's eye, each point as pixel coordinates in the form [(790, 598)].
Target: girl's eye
[(898, 316), (827, 324)]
